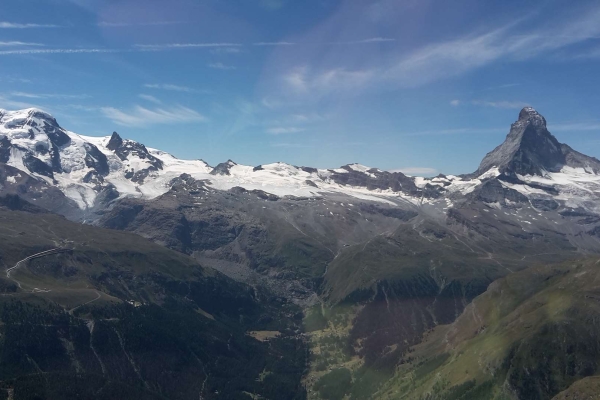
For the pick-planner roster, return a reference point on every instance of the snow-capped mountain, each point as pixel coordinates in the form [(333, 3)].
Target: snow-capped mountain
[(92, 171), (83, 167)]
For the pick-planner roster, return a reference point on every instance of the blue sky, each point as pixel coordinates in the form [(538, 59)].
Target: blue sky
[(423, 86)]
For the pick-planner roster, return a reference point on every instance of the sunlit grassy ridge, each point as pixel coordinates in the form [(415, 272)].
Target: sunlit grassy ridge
[(530, 335)]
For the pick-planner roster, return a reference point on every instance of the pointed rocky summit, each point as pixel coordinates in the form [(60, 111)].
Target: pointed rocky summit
[(530, 149), (115, 142)]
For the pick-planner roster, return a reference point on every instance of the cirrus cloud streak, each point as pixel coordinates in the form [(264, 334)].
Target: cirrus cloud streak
[(140, 116)]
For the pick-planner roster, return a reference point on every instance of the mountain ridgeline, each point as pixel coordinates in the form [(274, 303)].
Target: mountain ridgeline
[(282, 282)]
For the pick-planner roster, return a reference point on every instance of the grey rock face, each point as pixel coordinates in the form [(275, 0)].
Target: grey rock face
[(5, 146), (95, 159), (375, 179), (310, 170), (115, 142), (492, 191), (35, 165), (223, 168), (576, 159)]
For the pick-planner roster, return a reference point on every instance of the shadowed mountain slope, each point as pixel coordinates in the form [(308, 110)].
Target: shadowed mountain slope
[(116, 316)]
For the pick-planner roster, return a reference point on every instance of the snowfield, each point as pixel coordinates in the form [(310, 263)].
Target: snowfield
[(280, 179)]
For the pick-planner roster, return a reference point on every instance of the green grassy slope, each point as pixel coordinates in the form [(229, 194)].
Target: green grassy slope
[(529, 336)]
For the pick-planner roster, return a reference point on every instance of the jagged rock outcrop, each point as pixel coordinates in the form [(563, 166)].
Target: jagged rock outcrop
[(224, 168)]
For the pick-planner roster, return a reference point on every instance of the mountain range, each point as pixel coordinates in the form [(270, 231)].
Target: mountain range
[(374, 284)]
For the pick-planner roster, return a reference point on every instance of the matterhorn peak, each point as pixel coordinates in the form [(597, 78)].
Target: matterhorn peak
[(530, 149), (529, 114)]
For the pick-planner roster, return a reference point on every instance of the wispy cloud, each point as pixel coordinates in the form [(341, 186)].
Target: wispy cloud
[(108, 24), (58, 51), (270, 103), (9, 103), (302, 81), (501, 104), (225, 50), (140, 116), (235, 47), (15, 43), (279, 130), (420, 171), (49, 95), (495, 104), (168, 86), (136, 48), (16, 25), (13, 79), (362, 41), (291, 145), (81, 107), (457, 56), (170, 46), (282, 43), (307, 118), (374, 40), (149, 98), (319, 144), (222, 66), (297, 79), (592, 53), (444, 59)]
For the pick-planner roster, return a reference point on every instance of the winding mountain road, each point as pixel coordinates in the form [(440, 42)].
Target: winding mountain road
[(31, 257), (87, 302)]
